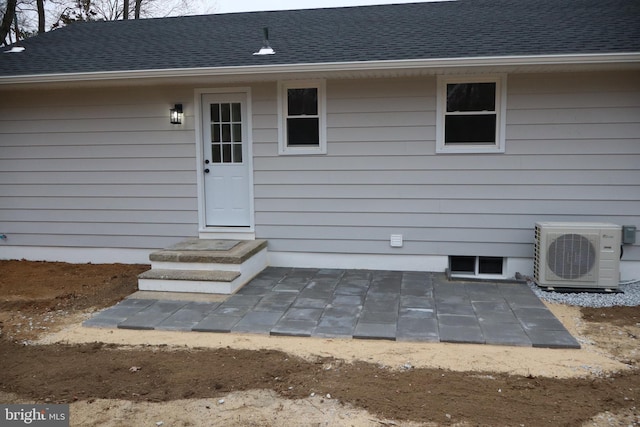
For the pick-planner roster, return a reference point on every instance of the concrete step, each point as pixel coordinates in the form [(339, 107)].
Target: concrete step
[(207, 282), (190, 275), (204, 266), (209, 251)]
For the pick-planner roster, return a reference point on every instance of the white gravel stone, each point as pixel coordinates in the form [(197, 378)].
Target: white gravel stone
[(629, 296)]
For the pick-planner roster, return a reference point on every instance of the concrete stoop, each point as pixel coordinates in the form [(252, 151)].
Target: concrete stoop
[(205, 266)]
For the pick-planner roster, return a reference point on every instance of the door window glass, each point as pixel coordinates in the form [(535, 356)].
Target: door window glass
[(226, 132)]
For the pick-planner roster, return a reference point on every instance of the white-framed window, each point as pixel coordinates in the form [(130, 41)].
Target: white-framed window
[(302, 117), (487, 266), (471, 114)]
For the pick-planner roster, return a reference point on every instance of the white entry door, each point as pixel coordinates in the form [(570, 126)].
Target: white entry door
[(226, 162)]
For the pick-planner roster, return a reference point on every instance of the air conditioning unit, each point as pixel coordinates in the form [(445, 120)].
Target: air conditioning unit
[(577, 255)]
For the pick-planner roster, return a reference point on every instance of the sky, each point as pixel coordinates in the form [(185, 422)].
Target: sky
[(228, 6)]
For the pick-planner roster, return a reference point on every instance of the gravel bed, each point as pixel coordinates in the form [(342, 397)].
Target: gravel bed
[(629, 296)]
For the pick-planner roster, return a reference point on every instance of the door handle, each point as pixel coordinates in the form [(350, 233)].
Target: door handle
[(206, 162), (206, 170)]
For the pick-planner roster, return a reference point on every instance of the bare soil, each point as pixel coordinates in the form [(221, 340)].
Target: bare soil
[(122, 385)]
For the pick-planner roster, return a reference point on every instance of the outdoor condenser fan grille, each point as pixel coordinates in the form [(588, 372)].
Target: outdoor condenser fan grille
[(571, 256), (577, 255)]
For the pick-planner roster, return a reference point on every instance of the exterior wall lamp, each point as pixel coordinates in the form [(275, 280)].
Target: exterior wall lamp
[(176, 114)]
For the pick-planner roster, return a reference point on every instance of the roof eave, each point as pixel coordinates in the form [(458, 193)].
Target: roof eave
[(433, 65)]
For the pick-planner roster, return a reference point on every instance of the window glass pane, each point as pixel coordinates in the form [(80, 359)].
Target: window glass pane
[(215, 133), (226, 153), (226, 112), (226, 133), (475, 129), (303, 131), (462, 264), (237, 133), (489, 265), (237, 153), (235, 112), (215, 153), (471, 97), (302, 102), (215, 112)]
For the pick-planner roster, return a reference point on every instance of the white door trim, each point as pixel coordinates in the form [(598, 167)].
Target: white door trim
[(245, 233)]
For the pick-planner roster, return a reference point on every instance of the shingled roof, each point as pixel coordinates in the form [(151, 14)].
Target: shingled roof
[(432, 30)]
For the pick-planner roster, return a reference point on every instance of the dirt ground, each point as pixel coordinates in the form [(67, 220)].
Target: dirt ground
[(125, 378)]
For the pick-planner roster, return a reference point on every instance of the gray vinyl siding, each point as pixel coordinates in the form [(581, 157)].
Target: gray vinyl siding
[(572, 154), (96, 168), (104, 168)]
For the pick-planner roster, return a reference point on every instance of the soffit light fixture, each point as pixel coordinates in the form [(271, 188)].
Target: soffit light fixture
[(176, 114), (265, 49)]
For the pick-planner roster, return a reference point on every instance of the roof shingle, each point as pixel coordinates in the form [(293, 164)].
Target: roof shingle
[(432, 30)]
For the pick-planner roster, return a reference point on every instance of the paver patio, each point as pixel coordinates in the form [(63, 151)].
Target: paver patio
[(389, 305)]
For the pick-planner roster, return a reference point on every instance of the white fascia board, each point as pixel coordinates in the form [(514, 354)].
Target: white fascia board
[(262, 70)]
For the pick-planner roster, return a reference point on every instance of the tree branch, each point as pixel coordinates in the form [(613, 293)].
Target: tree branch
[(9, 15)]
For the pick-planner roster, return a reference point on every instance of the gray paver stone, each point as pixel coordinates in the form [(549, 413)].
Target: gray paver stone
[(417, 302), (505, 334), (375, 331), (549, 324), (151, 316), (416, 291), (462, 309), (377, 305), (485, 307), (312, 314), (275, 301), (451, 299), (216, 323), (461, 334), (497, 317), (188, 316), (102, 322), (295, 328), (330, 326), (119, 311), (259, 322), (457, 320), (347, 290), (417, 313), (525, 302), (323, 293), (416, 329), (533, 312), (552, 339), (135, 302), (224, 310), (346, 300), (378, 317), (254, 290), (342, 311), (241, 301), (310, 302), (289, 287)]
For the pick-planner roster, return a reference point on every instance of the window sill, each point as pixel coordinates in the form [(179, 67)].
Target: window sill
[(471, 277), (302, 151), (477, 276), (469, 149)]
